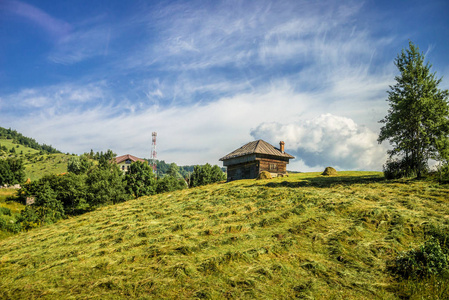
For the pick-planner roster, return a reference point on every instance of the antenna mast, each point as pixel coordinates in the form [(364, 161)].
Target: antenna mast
[(153, 152)]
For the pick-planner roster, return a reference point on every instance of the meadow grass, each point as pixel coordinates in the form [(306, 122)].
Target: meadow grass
[(7, 201), (46, 164), (305, 236), (36, 165), (18, 148)]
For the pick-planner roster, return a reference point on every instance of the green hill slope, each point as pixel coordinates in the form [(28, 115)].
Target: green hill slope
[(305, 236), (37, 162)]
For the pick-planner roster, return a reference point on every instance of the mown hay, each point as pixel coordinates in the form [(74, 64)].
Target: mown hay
[(264, 175), (329, 171)]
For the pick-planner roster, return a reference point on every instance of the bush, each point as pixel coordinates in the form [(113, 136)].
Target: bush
[(169, 184), (206, 174), (5, 211), (9, 224), (443, 172), (400, 168), (424, 261), (440, 233)]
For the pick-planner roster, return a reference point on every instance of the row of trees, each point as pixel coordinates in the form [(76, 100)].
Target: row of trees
[(417, 123), (89, 185), (18, 138)]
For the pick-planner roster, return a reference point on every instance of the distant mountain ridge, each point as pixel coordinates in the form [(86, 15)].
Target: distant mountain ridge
[(20, 139)]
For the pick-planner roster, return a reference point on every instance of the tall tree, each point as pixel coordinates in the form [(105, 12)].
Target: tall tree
[(105, 185), (417, 123), (140, 180), (79, 164), (173, 171), (12, 171)]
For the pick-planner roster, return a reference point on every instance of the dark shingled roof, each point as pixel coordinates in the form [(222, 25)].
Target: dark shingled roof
[(256, 147), (122, 158)]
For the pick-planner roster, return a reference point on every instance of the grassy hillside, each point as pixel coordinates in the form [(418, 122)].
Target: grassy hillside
[(305, 236), (12, 208), (37, 163), (46, 164)]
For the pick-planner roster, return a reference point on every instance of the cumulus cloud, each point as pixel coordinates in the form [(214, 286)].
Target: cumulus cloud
[(327, 140), (203, 76)]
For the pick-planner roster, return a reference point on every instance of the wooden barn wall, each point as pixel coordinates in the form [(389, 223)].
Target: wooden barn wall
[(280, 166), (243, 171), (251, 170)]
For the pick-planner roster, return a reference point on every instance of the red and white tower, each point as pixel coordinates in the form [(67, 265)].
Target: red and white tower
[(153, 152)]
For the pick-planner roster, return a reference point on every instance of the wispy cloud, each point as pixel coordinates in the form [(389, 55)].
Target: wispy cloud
[(82, 44), (209, 77), (53, 26)]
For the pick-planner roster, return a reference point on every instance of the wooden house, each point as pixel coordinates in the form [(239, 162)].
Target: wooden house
[(249, 160), (125, 161)]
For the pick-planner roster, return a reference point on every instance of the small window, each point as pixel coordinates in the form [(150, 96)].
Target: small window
[(273, 167), (123, 168)]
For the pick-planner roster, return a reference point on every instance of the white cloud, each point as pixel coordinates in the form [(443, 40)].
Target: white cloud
[(51, 25), (81, 44), (327, 140), (207, 76)]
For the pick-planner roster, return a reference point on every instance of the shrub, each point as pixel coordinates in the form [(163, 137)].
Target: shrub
[(169, 184), (400, 168), (9, 225), (443, 172), (440, 233), (424, 261), (5, 211), (206, 174)]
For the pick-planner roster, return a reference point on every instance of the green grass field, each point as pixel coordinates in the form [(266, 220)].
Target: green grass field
[(6, 201), (36, 165), (305, 236), (19, 149)]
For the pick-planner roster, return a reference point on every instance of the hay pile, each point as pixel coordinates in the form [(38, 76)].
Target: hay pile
[(329, 171), (264, 175)]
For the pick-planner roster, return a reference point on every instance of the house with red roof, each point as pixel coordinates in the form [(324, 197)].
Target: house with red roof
[(125, 161)]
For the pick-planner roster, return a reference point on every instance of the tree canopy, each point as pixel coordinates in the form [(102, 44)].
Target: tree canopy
[(12, 171), (140, 180), (206, 174), (417, 123)]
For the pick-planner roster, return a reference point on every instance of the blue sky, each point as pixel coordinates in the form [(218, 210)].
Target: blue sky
[(210, 76)]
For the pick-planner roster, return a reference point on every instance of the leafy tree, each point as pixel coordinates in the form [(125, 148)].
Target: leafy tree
[(71, 190), (417, 124), (140, 180), (206, 174), (50, 209), (173, 171), (79, 164), (106, 185), (169, 184), (12, 171), (46, 208), (217, 174)]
